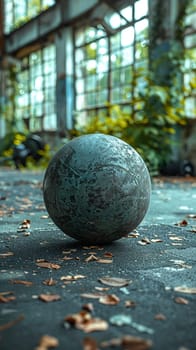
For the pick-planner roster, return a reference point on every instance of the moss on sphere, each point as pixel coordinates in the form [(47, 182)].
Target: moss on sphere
[(97, 188)]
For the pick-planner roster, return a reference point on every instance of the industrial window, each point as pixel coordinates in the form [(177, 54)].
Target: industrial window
[(18, 12), (190, 61), (106, 58), (36, 86)]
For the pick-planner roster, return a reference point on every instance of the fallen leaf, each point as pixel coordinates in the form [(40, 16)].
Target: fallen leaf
[(49, 297), (180, 300), (104, 261), (91, 295), (5, 255), (175, 238), (90, 344), (7, 299), (91, 258), (66, 258), (114, 281), (156, 240), (72, 278), (10, 324), (182, 223), (46, 342), (191, 216), (183, 289), (102, 289), (50, 282), (110, 299), (130, 342), (130, 303), (48, 265), (160, 317), (25, 283), (144, 241), (133, 235), (84, 321), (25, 225), (88, 307), (108, 255)]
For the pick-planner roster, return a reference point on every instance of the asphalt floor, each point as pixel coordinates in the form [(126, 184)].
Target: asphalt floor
[(136, 293)]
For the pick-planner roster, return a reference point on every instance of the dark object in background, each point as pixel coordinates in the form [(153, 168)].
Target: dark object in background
[(177, 168), (187, 168), (30, 147)]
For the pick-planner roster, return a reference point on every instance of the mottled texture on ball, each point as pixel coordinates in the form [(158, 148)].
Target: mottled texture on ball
[(97, 188)]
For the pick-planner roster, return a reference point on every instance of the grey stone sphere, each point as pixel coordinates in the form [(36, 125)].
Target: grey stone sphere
[(97, 188)]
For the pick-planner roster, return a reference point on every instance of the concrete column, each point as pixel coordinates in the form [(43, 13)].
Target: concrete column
[(64, 83)]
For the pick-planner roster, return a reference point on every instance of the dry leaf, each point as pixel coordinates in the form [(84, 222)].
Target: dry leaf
[(84, 321), (25, 225), (91, 295), (88, 307), (10, 324), (25, 283), (156, 240), (5, 255), (133, 235), (72, 278), (108, 255), (46, 342), (48, 265), (160, 317), (110, 299), (180, 300), (50, 282), (49, 297), (130, 342), (66, 258), (183, 289), (114, 281), (6, 299), (182, 223), (130, 303), (191, 216), (102, 289), (144, 241), (104, 261), (111, 343), (91, 258), (89, 344), (175, 238)]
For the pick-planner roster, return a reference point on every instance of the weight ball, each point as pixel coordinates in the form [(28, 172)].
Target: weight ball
[(97, 188)]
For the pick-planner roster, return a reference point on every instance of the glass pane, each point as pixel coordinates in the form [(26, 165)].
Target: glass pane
[(127, 12), (102, 46), (141, 28), (115, 95), (90, 83), (116, 59), (115, 41), (127, 36), (102, 97), (127, 56), (102, 81), (116, 77), (80, 84), (102, 64), (141, 8), (126, 75), (91, 99)]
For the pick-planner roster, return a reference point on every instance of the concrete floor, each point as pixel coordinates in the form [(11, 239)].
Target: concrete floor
[(47, 278)]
